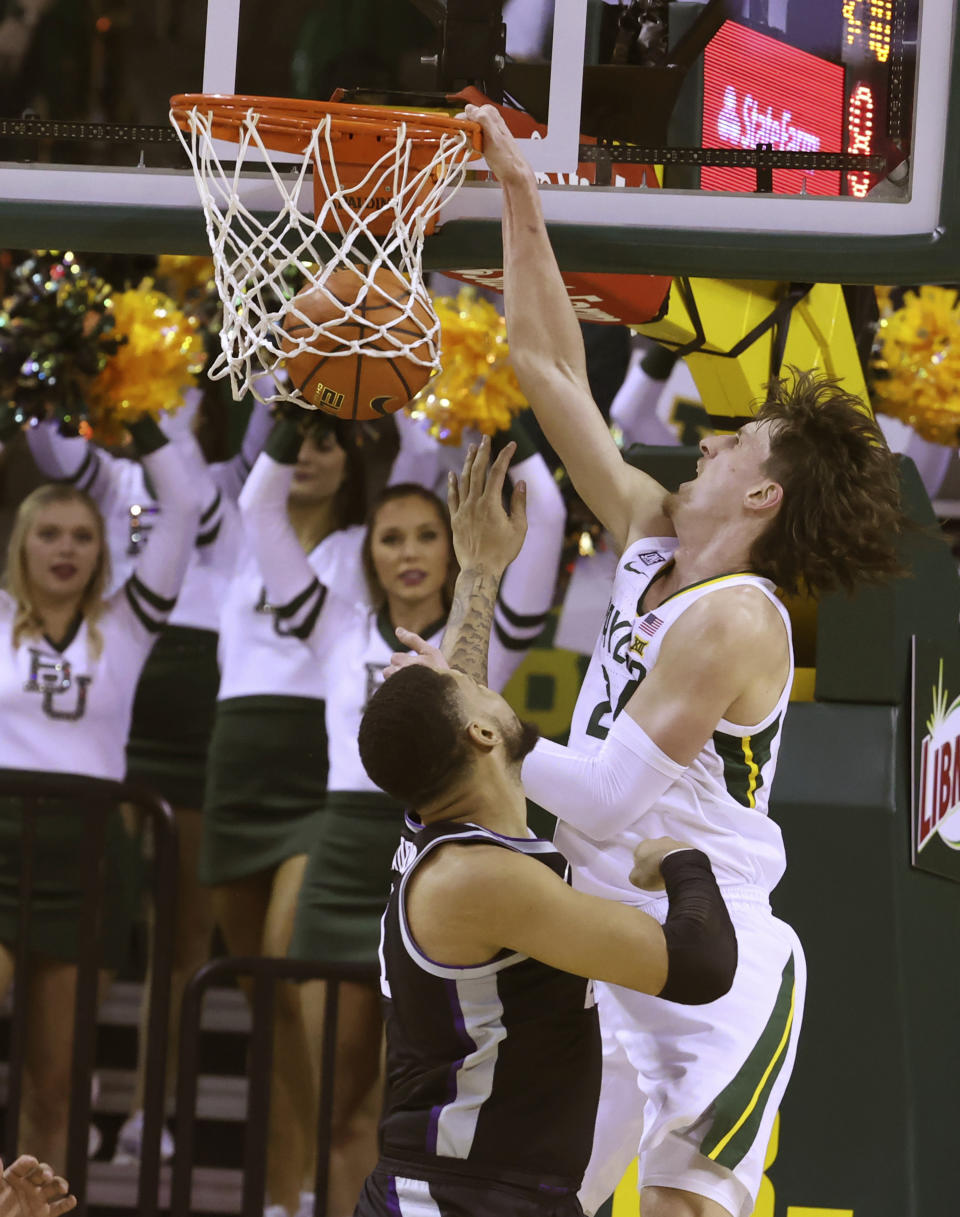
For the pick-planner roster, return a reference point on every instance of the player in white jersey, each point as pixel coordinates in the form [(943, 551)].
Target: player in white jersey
[(69, 668), (174, 707), (681, 737), (409, 560)]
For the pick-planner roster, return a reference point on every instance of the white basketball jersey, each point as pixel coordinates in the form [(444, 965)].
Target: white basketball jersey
[(720, 802)]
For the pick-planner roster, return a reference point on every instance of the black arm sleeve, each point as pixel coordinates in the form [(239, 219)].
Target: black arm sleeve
[(701, 943)]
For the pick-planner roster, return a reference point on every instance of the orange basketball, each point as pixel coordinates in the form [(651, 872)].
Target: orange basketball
[(345, 384)]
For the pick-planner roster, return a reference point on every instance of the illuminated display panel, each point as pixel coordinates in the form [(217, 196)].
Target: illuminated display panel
[(757, 90), (868, 28), (878, 47)]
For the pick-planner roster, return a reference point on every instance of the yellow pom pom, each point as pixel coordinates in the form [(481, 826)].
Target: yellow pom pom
[(476, 386), (917, 364), (160, 358), (186, 278)]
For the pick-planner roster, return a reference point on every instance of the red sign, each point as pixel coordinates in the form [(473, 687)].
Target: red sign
[(757, 90)]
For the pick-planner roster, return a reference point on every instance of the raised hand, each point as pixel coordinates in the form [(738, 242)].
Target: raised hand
[(29, 1188), (485, 536)]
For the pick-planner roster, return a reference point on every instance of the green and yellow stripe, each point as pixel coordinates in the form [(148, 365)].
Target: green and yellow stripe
[(738, 1110), (744, 757)]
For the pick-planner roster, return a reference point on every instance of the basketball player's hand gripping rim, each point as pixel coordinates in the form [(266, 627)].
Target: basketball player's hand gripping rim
[(500, 149), (485, 536)]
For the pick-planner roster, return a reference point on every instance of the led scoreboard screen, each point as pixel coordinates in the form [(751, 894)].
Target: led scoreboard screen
[(757, 90), (837, 78)]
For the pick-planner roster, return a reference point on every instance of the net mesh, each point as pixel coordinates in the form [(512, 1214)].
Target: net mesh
[(267, 248)]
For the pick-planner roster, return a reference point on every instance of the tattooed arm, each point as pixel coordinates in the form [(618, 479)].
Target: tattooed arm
[(466, 639), (486, 539)]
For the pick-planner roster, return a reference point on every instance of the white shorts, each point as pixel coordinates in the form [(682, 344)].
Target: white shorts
[(692, 1091)]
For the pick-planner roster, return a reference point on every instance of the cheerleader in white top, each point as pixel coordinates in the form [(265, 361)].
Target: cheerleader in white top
[(173, 710), (267, 766), (70, 660), (410, 569)]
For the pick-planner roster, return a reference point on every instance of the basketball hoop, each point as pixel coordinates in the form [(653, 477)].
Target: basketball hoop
[(379, 179)]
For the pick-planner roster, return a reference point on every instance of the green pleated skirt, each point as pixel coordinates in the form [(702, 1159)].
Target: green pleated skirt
[(56, 908), (347, 881), (173, 715), (266, 784)]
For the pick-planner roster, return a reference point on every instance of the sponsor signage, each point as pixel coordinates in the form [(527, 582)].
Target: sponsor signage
[(936, 758), (757, 90)]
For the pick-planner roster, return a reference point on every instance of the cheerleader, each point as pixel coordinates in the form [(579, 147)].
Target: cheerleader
[(174, 706), (410, 569), (69, 667), (267, 767)]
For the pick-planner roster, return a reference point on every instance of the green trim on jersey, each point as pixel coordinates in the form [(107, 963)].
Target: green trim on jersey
[(738, 1110), (668, 565), (744, 757)]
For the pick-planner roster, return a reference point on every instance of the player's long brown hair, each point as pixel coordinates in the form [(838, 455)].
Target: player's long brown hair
[(841, 515), (28, 622), (406, 490)]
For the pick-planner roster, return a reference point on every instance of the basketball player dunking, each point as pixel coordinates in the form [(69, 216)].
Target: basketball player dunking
[(678, 723), (493, 1052)]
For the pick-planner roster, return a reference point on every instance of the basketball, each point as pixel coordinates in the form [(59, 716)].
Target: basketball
[(331, 377)]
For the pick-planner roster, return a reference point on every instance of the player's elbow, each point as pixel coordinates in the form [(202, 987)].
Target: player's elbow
[(543, 376), (702, 969)]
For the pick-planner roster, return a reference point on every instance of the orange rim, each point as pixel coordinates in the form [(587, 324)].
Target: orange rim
[(287, 124)]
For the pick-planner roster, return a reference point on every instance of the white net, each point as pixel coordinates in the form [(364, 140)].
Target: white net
[(270, 251)]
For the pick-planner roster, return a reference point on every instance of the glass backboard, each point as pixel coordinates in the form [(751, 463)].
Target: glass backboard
[(797, 139)]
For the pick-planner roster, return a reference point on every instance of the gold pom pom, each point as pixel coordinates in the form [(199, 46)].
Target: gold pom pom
[(476, 386), (186, 278), (917, 364), (160, 358)]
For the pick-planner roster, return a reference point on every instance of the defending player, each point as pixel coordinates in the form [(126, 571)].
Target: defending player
[(492, 1041), (678, 723)]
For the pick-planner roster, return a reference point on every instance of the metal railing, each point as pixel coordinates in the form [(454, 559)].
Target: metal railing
[(265, 974), (96, 800)]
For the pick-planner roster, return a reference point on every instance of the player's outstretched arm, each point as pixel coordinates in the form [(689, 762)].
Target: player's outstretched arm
[(546, 351), (672, 714), (486, 539), (29, 1188), (472, 901)]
